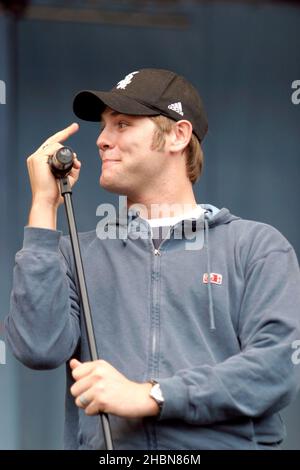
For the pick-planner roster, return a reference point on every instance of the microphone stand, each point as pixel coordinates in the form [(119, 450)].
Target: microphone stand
[(66, 192)]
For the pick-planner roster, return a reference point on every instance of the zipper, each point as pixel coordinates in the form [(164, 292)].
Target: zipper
[(157, 251), (156, 298), (155, 314), (155, 310)]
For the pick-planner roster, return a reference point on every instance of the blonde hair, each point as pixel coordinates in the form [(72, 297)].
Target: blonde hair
[(194, 153)]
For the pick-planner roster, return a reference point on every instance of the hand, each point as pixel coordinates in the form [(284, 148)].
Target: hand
[(107, 390), (44, 187)]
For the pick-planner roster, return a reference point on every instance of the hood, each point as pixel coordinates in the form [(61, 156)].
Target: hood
[(216, 216)]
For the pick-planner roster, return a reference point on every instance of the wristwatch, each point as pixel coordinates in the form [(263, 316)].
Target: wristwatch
[(156, 394)]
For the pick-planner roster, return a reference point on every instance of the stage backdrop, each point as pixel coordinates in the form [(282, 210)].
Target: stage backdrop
[(243, 59)]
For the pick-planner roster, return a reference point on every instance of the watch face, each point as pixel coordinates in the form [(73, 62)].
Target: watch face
[(156, 393)]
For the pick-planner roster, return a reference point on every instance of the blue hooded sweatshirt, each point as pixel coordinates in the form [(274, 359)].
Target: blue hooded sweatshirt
[(216, 326)]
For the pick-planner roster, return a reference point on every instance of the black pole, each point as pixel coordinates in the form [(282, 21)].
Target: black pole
[(66, 192)]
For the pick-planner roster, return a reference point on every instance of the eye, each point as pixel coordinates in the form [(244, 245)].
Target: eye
[(122, 124)]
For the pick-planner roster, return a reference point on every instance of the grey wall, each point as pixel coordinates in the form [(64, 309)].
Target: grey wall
[(243, 60)]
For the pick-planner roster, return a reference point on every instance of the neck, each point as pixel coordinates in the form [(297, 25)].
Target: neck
[(170, 203)]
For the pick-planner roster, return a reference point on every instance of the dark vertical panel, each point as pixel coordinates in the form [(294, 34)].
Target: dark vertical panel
[(9, 404)]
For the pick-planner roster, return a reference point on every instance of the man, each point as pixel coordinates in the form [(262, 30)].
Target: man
[(196, 325)]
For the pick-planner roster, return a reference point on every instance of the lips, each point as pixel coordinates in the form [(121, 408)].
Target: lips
[(109, 162)]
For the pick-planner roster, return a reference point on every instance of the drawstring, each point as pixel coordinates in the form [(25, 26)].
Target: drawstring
[(210, 298)]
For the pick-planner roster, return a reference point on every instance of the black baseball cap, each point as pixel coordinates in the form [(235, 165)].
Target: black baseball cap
[(146, 92)]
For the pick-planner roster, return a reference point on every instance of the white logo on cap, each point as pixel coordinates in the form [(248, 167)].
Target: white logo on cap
[(123, 83), (177, 107)]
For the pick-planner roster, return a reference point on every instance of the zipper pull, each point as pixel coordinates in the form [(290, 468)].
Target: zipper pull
[(157, 252)]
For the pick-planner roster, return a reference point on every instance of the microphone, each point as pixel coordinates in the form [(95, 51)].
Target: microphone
[(61, 162)]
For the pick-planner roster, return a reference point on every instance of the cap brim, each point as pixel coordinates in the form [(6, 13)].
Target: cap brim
[(89, 105)]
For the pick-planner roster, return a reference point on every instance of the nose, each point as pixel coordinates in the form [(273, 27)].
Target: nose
[(104, 142)]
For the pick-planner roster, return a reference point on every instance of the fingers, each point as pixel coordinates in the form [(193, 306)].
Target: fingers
[(48, 150), (92, 408), (76, 163), (83, 390), (80, 370), (88, 399), (88, 402), (62, 135), (82, 385), (41, 158), (41, 155)]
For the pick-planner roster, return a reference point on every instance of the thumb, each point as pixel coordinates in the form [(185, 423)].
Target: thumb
[(74, 363)]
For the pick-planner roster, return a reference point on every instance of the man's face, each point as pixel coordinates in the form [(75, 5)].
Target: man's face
[(129, 165)]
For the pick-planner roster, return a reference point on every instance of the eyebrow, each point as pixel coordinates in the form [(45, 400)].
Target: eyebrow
[(111, 113)]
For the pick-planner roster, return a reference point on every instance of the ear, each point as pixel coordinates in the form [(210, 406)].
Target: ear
[(180, 136)]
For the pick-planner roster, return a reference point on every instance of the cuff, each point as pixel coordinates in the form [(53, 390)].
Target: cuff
[(175, 395), (41, 239)]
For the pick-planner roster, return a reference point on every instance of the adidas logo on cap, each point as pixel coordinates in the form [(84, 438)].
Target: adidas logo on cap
[(177, 107)]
